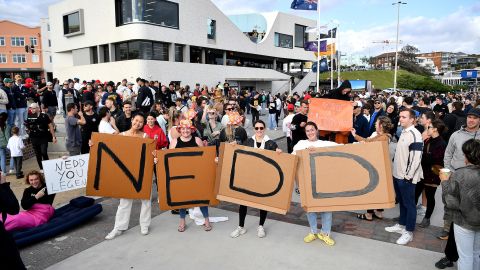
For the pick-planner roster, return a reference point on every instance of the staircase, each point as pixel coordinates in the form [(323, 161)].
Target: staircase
[(59, 149), (304, 84)]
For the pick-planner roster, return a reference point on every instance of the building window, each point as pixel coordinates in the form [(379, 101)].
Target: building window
[(179, 53), (3, 58), (106, 53), (35, 58), (73, 23), (214, 57), (159, 12), (33, 41), (2, 41), (48, 27), (18, 41), (283, 41), (49, 43), (300, 36), (94, 54), (50, 58), (211, 29), (195, 55), (19, 58), (141, 49)]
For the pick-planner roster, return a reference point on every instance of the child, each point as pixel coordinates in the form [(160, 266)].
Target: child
[(15, 145)]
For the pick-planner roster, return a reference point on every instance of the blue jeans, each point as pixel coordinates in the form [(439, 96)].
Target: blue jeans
[(204, 209), (3, 159), (11, 117), (21, 116), (272, 122), (405, 192), (326, 222)]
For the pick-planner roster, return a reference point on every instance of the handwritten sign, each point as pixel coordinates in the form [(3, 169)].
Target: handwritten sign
[(66, 174), (347, 177), (331, 114)]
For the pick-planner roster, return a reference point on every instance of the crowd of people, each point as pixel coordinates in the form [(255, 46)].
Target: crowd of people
[(426, 133)]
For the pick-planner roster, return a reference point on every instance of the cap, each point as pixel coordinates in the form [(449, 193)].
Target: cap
[(474, 112), (130, 83), (49, 83), (7, 80), (290, 107)]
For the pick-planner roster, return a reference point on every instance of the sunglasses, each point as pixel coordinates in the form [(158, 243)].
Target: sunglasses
[(229, 109), (378, 102), (429, 127), (259, 128), (211, 113)]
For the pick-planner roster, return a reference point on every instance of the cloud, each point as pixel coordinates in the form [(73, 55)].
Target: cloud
[(457, 32), (26, 12)]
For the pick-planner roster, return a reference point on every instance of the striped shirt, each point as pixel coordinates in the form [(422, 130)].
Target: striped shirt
[(408, 156)]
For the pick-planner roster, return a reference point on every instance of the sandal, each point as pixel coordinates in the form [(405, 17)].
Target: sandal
[(182, 228), (363, 217), (207, 228)]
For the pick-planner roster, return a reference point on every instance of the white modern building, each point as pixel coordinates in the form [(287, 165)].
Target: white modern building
[(46, 48), (184, 41), (427, 63)]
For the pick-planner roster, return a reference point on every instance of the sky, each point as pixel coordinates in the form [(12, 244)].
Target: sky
[(429, 25)]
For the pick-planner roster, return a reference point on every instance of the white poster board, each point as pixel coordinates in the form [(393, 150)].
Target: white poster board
[(66, 174)]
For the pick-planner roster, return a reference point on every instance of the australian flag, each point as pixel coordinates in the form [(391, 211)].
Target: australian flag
[(304, 4), (323, 66)]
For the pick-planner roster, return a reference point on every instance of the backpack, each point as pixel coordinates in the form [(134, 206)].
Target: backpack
[(459, 122)]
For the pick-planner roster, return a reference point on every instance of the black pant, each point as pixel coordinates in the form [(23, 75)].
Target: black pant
[(289, 145), (18, 165), (430, 194), (40, 147), (451, 247), (277, 115), (255, 116), (242, 212), (9, 255)]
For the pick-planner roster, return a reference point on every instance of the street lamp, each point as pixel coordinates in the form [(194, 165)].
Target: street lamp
[(399, 3)]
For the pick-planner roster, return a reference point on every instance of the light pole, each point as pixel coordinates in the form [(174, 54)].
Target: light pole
[(399, 3)]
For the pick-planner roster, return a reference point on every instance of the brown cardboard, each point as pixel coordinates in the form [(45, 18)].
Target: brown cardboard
[(251, 177), (341, 182), (107, 179), (186, 177), (331, 114)]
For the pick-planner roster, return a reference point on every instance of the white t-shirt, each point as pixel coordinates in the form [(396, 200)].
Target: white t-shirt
[(120, 89), (287, 121), (105, 127), (15, 144), (305, 144)]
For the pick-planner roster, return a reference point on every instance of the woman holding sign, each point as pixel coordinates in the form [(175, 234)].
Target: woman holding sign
[(122, 218), (186, 139), (311, 143), (260, 141)]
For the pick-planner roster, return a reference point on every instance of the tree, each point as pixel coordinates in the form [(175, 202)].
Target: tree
[(408, 53), (425, 83)]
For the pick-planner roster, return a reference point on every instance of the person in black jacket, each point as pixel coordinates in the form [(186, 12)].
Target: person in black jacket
[(9, 255), (20, 95), (50, 100), (377, 112), (144, 98), (455, 120), (360, 124), (342, 92), (258, 141)]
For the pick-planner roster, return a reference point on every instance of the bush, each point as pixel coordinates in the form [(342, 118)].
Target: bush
[(421, 83)]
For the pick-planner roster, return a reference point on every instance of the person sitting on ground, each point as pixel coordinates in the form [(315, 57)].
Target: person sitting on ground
[(37, 203)]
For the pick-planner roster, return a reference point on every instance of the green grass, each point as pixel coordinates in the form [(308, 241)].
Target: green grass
[(381, 79)]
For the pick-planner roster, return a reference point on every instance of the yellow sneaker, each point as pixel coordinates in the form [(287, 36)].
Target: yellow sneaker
[(326, 238), (309, 238)]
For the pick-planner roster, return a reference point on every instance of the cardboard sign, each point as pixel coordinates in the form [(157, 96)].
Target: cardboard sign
[(120, 167), (331, 114), (347, 177), (66, 174), (258, 178), (186, 177)]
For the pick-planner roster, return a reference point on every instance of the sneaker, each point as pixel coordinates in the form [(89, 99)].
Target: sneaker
[(405, 238), (444, 263), (260, 232), (309, 238), (421, 210), (326, 238), (425, 223), (443, 235), (144, 230), (11, 172), (114, 233), (397, 228), (238, 231)]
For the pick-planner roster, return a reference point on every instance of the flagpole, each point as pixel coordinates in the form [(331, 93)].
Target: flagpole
[(317, 80), (331, 61), (339, 55)]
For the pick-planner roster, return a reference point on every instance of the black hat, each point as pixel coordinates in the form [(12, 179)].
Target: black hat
[(475, 112), (345, 84)]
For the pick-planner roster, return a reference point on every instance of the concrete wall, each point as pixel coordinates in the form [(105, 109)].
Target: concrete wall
[(81, 56)]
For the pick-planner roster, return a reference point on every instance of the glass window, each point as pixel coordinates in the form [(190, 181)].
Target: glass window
[(141, 49), (94, 51), (72, 23), (195, 54), (300, 36), (18, 41), (179, 53), (106, 54), (35, 58), (214, 57), (33, 41), (19, 58), (283, 41), (49, 43), (211, 29), (160, 51), (48, 27), (249, 60), (160, 12), (121, 51), (2, 41), (50, 58), (3, 58)]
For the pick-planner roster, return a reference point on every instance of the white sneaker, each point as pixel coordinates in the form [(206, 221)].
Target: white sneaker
[(114, 233), (397, 228), (261, 232), (238, 231), (405, 238), (144, 230), (11, 172)]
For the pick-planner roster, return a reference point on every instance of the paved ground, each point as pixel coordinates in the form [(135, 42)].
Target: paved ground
[(360, 244)]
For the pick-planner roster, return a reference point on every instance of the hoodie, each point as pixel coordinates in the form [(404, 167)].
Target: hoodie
[(337, 93), (454, 158)]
